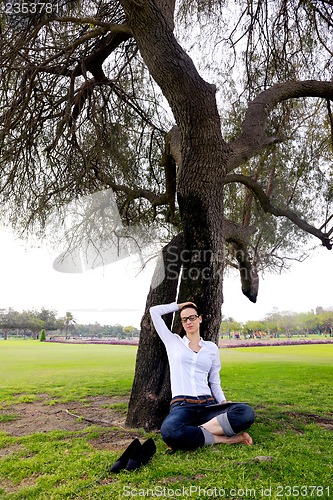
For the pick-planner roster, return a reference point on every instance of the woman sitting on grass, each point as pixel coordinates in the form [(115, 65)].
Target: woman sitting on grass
[(195, 419)]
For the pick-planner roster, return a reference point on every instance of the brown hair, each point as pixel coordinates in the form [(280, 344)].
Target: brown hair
[(181, 331)]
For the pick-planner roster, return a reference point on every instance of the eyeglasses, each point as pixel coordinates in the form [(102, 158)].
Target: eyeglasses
[(192, 318)]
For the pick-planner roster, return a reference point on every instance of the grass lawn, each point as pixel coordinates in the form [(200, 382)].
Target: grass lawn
[(290, 388)]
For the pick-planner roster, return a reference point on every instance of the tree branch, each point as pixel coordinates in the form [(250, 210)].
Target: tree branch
[(131, 193), (278, 212), (115, 28), (94, 61), (238, 236), (253, 137), (175, 73)]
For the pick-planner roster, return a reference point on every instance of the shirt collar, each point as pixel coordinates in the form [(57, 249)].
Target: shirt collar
[(187, 341)]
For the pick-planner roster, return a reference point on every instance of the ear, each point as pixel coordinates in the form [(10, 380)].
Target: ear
[(200, 319)]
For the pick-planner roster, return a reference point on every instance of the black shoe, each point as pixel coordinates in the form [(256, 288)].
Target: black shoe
[(124, 458), (142, 455)]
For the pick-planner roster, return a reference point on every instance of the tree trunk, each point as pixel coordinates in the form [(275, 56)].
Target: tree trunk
[(203, 257), (201, 262), (204, 155), (150, 396)]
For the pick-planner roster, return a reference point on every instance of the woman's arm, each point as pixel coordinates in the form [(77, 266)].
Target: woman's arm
[(156, 313), (214, 379)]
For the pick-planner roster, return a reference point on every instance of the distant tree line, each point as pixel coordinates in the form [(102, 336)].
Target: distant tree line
[(102, 331), (287, 323), (30, 323)]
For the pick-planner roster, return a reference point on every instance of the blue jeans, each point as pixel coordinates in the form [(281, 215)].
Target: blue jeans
[(180, 430)]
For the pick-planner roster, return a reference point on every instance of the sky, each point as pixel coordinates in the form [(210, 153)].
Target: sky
[(116, 293)]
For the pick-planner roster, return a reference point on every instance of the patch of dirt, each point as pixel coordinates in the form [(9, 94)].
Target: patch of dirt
[(5, 452), (114, 440), (41, 416), (293, 420), (11, 487), (311, 418)]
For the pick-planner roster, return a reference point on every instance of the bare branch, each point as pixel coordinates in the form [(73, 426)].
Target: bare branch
[(278, 212), (131, 193), (115, 28), (253, 137)]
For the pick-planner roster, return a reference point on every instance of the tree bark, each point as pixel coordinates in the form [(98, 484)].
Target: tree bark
[(203, 257)]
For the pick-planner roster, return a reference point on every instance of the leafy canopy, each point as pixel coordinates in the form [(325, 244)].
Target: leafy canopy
[(81, 114)]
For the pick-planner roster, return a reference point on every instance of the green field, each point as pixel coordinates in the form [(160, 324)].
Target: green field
[(290, 388), (64, 371)]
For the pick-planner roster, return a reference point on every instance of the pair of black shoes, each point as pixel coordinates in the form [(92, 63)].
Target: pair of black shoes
[(135, 455)]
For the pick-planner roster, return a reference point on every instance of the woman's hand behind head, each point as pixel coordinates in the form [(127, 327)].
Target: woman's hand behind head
[(185, 304)]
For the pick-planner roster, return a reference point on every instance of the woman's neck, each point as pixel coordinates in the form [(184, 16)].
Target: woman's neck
[(193, 337)]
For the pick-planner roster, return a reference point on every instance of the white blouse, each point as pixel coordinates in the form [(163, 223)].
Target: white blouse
[(191, 374)]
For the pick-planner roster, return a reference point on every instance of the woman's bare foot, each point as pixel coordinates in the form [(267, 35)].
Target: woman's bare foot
[(214, 427), (247, 439), (243, 438)]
